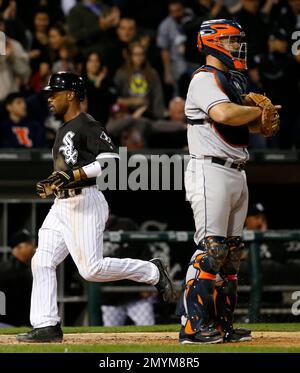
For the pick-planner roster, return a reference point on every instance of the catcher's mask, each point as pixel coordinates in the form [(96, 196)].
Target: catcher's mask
[(222, 39)]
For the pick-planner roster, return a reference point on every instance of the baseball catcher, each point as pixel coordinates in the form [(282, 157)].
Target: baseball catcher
[(220, 116)]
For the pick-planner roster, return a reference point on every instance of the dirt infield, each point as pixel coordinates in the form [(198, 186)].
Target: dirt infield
[(267, 339)]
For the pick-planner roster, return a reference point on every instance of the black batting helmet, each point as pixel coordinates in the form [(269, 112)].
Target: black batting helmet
[(66, 81)]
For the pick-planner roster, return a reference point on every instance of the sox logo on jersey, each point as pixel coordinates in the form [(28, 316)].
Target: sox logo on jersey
[(67, 149)]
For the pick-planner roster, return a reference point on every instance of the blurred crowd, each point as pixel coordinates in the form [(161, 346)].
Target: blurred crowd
[(137, 58)]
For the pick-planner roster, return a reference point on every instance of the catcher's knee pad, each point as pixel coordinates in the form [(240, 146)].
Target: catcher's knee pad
[(217, 250), (232, 263)]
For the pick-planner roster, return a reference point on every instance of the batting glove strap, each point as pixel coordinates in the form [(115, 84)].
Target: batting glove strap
[(61, 179)]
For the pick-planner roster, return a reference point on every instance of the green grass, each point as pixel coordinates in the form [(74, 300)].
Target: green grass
[(288, 327), (69, 348), (109, 348)]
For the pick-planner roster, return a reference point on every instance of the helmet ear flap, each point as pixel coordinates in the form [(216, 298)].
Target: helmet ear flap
[(199, 42)]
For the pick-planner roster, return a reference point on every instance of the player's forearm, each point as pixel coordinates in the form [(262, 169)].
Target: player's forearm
[(86, 172), (234, 115)]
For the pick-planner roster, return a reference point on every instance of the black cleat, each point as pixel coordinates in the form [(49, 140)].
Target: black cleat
[(237, 335), (207, 335), (164, 285), (47, 334)]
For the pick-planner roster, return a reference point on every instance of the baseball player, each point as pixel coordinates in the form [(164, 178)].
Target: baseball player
[(215, 183), (76, 221)]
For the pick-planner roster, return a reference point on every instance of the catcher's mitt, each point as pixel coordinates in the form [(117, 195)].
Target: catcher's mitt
[(268, 123)]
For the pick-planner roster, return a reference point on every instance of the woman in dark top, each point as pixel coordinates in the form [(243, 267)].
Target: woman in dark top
[(101, 93), (39, 44)]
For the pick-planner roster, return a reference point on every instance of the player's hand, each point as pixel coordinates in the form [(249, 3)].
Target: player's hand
[(43, 189), (60, 179)]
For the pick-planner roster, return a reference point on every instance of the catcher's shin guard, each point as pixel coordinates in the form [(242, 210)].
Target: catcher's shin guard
[(200, 283), (225, 296)]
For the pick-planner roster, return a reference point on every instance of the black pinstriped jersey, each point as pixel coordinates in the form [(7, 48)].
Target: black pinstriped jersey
[(78, 142)]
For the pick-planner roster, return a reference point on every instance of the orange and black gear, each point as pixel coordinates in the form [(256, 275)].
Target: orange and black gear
[(225, 293), (198, 294), (209, 36)]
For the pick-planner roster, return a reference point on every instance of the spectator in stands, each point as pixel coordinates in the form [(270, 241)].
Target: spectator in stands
[(16, 280), (65, 61), (59, 38), (100, 91), (14, 66), (276, 256), (127, 129), (138, 84), (136, 132), (256, 218), (170, 132), (255, 25), (171, 39), (203, 10), (18, 130), (39, 43), (279, 72), (28, 7), (137, 306), (147, 13), (90, 23), (14, 26), (286, 14), (117, 53), (40, 78)]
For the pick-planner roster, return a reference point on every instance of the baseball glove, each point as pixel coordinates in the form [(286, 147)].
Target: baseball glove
[(268, 123)]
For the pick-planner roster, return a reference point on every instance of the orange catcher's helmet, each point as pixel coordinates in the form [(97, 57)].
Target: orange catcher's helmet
[(222, 39)]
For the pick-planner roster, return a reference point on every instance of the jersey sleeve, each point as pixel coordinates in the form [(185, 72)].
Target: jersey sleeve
[(99, 143), (205, 92)]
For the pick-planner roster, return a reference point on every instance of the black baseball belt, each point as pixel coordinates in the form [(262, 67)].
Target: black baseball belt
[(240, 166), (71, 192), (68, 193)]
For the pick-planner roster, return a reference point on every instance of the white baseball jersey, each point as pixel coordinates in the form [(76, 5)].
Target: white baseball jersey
[(204, 139)]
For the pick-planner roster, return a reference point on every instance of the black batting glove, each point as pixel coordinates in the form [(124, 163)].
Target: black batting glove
[(61, 179), (43, 189)]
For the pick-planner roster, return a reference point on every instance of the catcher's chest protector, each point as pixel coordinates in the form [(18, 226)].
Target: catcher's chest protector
[(233, 84)]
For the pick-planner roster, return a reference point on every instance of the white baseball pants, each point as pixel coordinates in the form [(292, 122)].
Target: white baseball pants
[(218, 197), (75, 225)]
